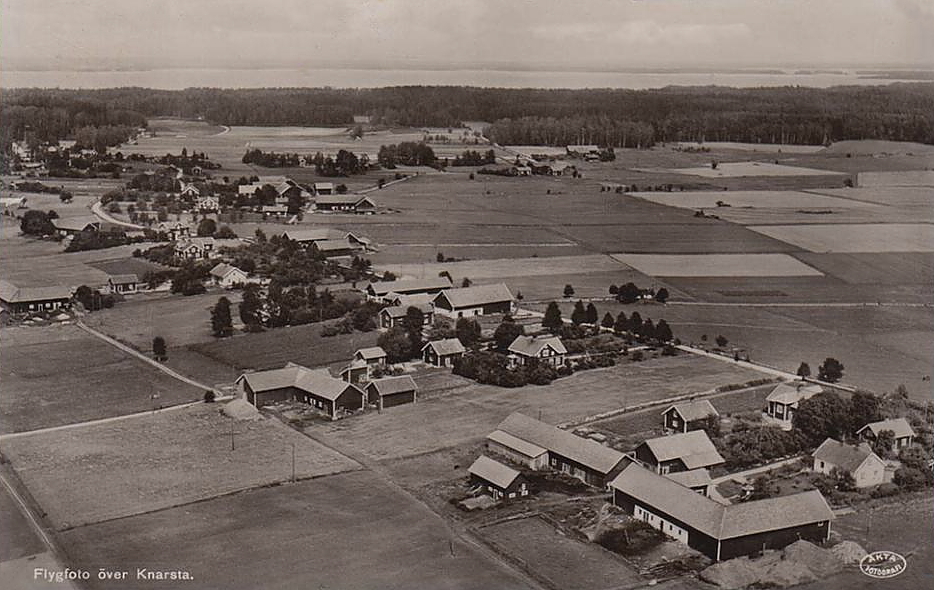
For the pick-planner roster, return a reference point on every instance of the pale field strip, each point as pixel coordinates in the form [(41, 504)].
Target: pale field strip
[(740, 169), (893, 196), (718, 265), (752, 199), (511, 267), (902, 178), (854, 238), (754, 147), (117, 469)]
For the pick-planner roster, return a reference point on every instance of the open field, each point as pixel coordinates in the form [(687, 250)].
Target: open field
[(890, 237), (890, 268), (717, 265), (513, 267), (585, 284), (730, 169), (903, 197), (31, 262), (778, 148), (473, 412), (348, 531), (19, 539), (61, 375), (901, 178), (752, 199), (903, 527), (160, 460), (538, 546)]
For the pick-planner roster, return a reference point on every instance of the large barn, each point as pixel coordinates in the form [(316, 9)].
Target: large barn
[(720, 532), (679, 452), (297, 383), (381, 290), (474, 301)]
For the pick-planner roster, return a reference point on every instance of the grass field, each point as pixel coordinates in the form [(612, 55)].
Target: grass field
[(752, 199), (19, 539), (732, 169), (345, 531), (514, 267), (717, 265), (901, 178), (889, 268), (538, 546), (31, 262), (61, 375), (159, 460), (890, 237), (473, 412)]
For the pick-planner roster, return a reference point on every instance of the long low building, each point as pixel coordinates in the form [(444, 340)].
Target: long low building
[(718, 531), (539, 445), (474, 301), (23, 300), (297, 383), (380, 290)]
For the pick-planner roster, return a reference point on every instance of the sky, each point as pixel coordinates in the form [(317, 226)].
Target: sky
[(607, 34)]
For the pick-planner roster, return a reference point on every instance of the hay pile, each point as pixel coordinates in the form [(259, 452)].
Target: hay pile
[(240, 409), (798, 563), (733, 574), (848, 552), (819, 561)]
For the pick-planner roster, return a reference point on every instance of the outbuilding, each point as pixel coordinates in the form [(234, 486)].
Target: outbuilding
[(474, 301), (296, 383), (392, 391), (442, 353), (783, 402), (689, 415), (227, 276), (679, 452), (501, 481), (902, 432), (21, 300), (381, 290)]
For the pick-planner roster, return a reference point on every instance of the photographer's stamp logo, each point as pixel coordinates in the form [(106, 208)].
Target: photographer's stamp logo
[(882, 564)]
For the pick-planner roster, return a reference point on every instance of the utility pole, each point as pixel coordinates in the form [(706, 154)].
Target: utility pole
[(232, 447), (293, 462)]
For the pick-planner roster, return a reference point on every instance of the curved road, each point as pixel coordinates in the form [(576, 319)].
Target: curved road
[(97, 210)]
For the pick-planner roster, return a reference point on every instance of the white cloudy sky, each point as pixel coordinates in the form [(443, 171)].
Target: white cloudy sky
[(53, 34)]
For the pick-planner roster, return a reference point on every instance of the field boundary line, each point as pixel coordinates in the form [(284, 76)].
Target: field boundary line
[(117, 344)]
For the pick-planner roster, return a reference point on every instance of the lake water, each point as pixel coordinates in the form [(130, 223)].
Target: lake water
[(175, 79)]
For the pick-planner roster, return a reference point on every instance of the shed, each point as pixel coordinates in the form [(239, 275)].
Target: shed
[(899, 427), (679, 452), (392, 391), (503, 482), (474, 301), (689, 415), (441, 353)]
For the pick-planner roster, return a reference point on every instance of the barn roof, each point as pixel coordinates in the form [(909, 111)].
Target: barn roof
[(332, 245), (223, 269), (493, 471), (382, 288), (371, 352), (899, 426), (789, 393), (532, 346), (13, 294), (476, 296), (446, 346), (124, 279), (399, 311), (693, 448), (693, 410), (391, 385), (318, 382), (584, 451), (416, 300), (692, 478), (844, 456), (517, 444), (76, 223), (314, 235), (759, 516)]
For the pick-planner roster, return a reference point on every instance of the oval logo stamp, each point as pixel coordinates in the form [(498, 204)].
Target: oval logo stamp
[(882, 564)]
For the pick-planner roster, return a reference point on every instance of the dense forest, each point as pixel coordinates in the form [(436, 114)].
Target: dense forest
[(609, 117)]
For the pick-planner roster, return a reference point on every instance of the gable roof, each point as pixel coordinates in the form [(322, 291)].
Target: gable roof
[(333, 245), (223, 269), (789, 393), (324, 186), (399, 311), (391, 385), (844, 456), (446, 346), (692, 478), (693, 410), (404, 286), (517, 444), (314, 235), (414, 300), (476, 296), (76, 223), (13, 294), (371, 352), (493, 471), (582, 450), (715, 519), (532, 346), (317, 382), (899, 426), (693, 448), (335, 199), (123, 279)]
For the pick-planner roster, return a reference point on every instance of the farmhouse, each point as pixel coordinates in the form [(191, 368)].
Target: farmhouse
[(334, 248), (227, 276), (69, 226), (360, 369), (349, 203), (123, 284), (195, 248), (902, 431), (19, 300), (441, 353), (859, 461), (501, 481), (296, 383), (697, 480), (587, 460), (721, 532), (324, 188), (207, 204), (190, 190), (393, 315), (689, 415), (379, 291), (289, 189), (392, 391), (523, 171), (548, 349), (784, 399), (474, 301), (583, 150), (248, 189), (679, 452), (307, 237), (174, 230)]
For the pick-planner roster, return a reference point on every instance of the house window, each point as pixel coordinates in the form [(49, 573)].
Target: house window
[(821, 464)]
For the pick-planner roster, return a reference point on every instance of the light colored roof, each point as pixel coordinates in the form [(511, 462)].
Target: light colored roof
[(841, 455), (76, 223), (715, 519), (476, 296), (371, 352), (584, 451), (692, 478), (343, 200), (314, 235), (899, 426), (789, 393), (13, 294), (331, 245), (532, 346), (693, 448), (492, 471), (693, 410), (415, 300), (248, 189), (324, 185), (381, 288), (223, 269), (399, 311), (583, 148), (318, 382), (446, 346), (517, 444), (354, 364), (391, 385), (124, 279)]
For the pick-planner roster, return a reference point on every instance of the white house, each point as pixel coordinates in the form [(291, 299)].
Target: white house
[(867, 468), (227, 276), (548, 350)]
